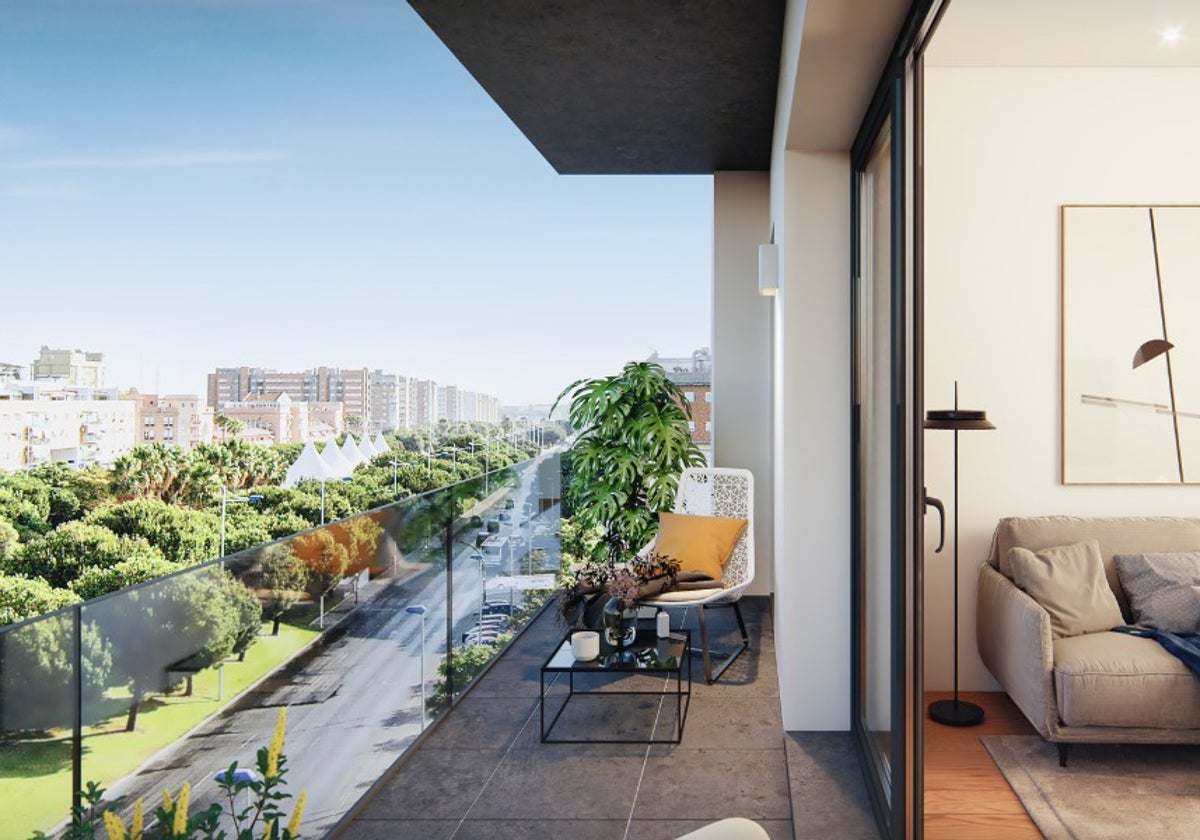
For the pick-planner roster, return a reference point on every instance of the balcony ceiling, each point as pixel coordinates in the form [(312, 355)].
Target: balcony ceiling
[(626, 86)]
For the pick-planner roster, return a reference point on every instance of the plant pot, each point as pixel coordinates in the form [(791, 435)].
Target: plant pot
[(620, 626)]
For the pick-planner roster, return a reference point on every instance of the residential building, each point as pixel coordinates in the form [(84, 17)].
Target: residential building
[(74, 367), (349, 386), (425, 403), (173, 419), (404, 402), (10, 372), (275, 418), (385, 402), (693, 375), (40, 425)]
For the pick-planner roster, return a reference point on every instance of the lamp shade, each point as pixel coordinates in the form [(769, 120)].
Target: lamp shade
[(957, 419)]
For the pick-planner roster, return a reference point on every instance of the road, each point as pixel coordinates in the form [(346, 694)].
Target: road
[(354, 702)]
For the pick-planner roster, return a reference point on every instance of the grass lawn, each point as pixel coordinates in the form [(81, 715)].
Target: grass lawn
[(35, 774)]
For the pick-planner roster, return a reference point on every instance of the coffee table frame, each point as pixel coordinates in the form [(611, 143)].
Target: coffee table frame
[(680, 640)]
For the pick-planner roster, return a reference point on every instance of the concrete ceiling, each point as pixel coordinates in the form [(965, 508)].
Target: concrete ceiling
[(843, 50), (1066, 33), (626, 86)]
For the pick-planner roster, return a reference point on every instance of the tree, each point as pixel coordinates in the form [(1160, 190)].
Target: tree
[(247, 611), (25, 503), (182, 535), (37, 673), (198, 621), (286, 576), (61, 555), (229, 426), (22, 598), (98, 580), (10, 541)]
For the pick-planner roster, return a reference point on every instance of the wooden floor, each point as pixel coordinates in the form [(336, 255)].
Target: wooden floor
[(966, 796)]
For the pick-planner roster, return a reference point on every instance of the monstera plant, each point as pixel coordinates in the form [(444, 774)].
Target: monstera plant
[(633, 442)]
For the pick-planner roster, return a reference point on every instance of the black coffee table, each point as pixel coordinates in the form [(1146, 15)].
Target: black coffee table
[(648, 654)]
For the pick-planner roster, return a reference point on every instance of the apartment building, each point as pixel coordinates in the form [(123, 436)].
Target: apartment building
[(391, 402), (172, 419), (74, 367), (693, 375), (425, 402), (58, 425), (349, 386)]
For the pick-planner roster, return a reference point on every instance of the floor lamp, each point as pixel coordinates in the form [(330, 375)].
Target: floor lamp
[(956, 712)]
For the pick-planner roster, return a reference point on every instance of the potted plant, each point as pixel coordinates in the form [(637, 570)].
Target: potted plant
[(633, 442)]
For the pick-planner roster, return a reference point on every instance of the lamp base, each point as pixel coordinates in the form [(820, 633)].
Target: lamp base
[(955, 713)]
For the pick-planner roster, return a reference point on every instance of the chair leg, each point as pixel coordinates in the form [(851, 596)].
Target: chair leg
[(1062, 753), (709, 676)]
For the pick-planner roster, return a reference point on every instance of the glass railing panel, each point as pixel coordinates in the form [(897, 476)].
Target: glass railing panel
[(350, 626), (37, 717)]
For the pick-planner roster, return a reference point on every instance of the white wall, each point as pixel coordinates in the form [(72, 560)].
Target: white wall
[(812, 440), (1005, 147), (742, 350)]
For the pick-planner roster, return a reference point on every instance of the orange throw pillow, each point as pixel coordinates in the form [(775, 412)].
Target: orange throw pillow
[(700, 543)]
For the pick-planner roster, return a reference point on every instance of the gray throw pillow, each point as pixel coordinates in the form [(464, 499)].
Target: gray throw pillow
[(1163, 589)]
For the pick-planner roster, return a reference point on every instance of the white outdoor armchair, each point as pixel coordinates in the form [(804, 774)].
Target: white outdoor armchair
[(717, 491)]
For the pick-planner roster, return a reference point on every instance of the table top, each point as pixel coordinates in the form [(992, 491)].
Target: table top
[(646, 653)]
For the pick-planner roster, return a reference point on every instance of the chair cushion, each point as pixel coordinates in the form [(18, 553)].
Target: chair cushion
[(1068, 582), (682, 596), (1163, 589), (1111, 679), (700, 543)]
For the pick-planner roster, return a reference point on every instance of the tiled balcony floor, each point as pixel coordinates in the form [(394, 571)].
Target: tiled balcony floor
[(484, 773)]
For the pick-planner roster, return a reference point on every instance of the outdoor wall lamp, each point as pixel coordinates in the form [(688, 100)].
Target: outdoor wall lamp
[(768, 270)]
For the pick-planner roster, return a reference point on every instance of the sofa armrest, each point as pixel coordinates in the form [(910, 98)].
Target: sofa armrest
[(1015, 644)]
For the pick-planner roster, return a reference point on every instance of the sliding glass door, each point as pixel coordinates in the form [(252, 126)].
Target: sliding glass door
[(887, 400)]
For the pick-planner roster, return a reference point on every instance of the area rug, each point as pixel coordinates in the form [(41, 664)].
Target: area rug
[(1106, 792)]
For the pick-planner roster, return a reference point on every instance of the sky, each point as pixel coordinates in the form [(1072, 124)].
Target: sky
[(186, 184)]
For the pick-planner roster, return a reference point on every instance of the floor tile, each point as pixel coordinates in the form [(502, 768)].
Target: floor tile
[(715, 784), (550, 785), (541, 830), (828, 790), (434, 784)]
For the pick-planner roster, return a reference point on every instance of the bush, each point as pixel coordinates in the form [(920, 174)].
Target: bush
[(182, 535)]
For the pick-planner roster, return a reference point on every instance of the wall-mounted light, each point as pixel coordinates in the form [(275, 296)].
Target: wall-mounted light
[(1171, 34), (768, 270)]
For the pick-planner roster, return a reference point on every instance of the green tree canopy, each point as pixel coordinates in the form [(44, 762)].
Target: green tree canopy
[(61, 555), (99, 580), (22, 598), (182, 535)]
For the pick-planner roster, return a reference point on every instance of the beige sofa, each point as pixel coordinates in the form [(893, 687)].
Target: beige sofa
[(1099, 687)]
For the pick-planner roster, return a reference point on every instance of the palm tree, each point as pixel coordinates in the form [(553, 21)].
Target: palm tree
[(228, 426)]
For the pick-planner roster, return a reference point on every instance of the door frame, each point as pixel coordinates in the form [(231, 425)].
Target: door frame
[(897, 791)]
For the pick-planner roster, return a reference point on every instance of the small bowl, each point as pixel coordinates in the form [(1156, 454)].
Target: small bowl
[(585, 645)]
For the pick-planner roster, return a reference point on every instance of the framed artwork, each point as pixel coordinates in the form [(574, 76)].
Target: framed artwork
[(1131, 344)]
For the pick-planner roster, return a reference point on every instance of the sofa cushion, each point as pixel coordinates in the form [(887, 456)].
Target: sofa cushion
[(1163, 589), (1068, 583), (1111, 679), (1116, 535)]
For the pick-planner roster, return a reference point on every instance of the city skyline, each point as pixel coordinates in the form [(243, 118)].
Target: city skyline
[(186, 185)]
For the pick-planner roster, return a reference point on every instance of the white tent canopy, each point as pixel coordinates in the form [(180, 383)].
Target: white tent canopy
[(351, 451), (367, 448), (334, 457), (381, 444), (309, 466)]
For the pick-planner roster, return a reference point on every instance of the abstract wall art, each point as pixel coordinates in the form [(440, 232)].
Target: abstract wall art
[(1130, 344)]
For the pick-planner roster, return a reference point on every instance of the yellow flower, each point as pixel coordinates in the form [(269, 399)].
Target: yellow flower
[(135, 827), (116, 828), (181, 809), (168, 802), (276, 748), (267, 829), (297, 815)]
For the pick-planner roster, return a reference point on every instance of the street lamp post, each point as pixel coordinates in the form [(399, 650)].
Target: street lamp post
[(395, 473), (419, 609)]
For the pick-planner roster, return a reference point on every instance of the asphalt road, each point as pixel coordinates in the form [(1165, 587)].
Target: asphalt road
[(354, 702)]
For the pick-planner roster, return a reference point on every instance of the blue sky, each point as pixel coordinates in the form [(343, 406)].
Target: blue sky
[(193, 183)]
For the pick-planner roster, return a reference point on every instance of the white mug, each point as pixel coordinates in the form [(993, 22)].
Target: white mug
[(585, 645)]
